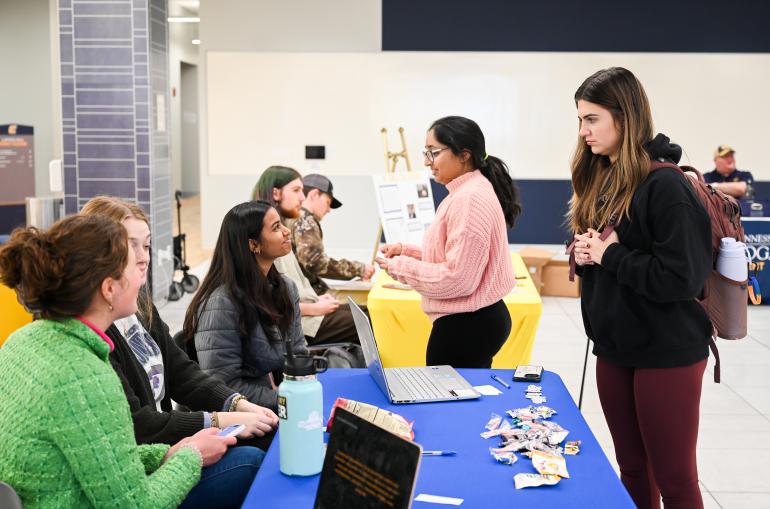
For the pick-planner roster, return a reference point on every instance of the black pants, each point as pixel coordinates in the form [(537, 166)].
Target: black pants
[(469, 340), (337, 327)]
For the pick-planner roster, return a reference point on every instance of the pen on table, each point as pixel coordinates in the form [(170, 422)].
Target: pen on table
[(439, 453), (499, 380)]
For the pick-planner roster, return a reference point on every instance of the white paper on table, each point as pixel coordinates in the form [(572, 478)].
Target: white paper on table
[(435, 499), (488, 390), (351, 285)]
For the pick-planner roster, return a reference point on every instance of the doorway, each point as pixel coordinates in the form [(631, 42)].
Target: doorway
[(188, 94)]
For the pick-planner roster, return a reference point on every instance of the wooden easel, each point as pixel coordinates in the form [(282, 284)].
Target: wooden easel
[(391, 160)]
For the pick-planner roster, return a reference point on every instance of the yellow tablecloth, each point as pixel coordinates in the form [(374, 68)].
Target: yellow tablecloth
[(402, 328), (13, 314)]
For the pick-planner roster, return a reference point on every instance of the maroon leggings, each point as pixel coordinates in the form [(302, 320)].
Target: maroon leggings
[(653, 418)]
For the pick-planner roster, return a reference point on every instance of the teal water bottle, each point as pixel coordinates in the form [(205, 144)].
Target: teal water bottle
[(300, 408)]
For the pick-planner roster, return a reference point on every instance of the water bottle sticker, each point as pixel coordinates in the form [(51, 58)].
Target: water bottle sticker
[(314, 421), (283, 413)]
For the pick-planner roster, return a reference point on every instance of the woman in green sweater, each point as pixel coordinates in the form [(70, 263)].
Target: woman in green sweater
[(66, 436)]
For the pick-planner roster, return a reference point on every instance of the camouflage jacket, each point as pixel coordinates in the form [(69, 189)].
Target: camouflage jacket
[(308, 245)]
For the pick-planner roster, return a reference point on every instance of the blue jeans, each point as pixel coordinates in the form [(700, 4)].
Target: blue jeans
[(226, 483)]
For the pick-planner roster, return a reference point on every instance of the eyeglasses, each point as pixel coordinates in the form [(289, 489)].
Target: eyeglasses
[(430, 155)]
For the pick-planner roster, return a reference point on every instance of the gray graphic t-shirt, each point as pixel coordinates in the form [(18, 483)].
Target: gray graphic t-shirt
[(146, 352)]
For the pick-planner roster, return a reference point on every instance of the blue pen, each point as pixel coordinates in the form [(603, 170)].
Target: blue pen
[(439, 453), (499, 380)]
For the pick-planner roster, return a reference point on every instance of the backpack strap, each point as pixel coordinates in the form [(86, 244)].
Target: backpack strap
[(655, 165), (572, 263), (715, 352), (712, 341)]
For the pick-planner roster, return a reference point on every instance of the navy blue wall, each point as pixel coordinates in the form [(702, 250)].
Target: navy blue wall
[(12, 216), (712, 26), (543, 203)]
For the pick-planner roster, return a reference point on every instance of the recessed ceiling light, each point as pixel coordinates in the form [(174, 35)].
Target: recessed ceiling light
[(196, 41)]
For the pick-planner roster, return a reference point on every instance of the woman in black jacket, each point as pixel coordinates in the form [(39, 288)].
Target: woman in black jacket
[(639, 287), (154, 370)]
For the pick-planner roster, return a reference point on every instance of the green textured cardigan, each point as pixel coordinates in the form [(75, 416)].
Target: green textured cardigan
[(66, 435)]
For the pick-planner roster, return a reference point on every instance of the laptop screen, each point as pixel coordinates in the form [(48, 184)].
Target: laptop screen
[(369, 346)]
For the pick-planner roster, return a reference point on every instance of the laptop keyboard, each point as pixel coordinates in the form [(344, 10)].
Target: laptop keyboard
[(417, 383)]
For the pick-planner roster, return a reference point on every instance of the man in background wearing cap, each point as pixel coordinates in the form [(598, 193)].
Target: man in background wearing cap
[(727, 178), (307, 237), (324, 320)]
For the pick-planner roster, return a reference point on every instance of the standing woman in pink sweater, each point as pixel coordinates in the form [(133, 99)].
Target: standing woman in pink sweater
[(463, 269)]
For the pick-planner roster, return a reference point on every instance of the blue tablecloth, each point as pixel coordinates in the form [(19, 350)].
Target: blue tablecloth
[(471, 475)]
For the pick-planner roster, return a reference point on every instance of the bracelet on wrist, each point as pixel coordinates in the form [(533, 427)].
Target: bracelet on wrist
[(214, 420), (234, 402)]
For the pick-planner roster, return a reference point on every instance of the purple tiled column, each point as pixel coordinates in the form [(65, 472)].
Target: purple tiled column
[(114, 81)]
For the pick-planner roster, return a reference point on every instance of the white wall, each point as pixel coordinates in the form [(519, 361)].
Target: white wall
[(291, 25), (522, 101), (27, 82), (287, 26), (270, 87)]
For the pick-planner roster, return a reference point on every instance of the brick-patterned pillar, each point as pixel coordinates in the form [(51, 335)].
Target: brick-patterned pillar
[(115, 114)]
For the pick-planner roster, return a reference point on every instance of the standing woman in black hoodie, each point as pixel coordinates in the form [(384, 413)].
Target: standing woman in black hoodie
[(639, 287)]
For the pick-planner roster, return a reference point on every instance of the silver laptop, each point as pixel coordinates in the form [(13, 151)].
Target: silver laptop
[(409, 385)]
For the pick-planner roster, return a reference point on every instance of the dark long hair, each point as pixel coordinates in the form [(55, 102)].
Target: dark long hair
[(463, 134), (258, 298)]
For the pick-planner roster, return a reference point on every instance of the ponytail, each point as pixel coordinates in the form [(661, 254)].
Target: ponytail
[(496, 171), (29, 265), (462, 134)]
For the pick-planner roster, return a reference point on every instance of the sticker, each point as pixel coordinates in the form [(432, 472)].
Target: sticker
[(283, 412), (313, 421)]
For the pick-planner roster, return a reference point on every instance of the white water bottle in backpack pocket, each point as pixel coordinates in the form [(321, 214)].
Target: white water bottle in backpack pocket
[(732, 261), (728, 293)]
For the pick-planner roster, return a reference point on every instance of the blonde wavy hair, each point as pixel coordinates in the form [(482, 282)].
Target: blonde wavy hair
[(602, 189), (119, 210)]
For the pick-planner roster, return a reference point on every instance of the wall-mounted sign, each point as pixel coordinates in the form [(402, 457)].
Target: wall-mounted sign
[(17, 163)]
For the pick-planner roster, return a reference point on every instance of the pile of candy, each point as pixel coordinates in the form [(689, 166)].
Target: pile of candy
[(527, 431)]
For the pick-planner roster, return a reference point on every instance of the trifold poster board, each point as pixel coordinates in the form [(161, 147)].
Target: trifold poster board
[(366, 467), (405, 203)]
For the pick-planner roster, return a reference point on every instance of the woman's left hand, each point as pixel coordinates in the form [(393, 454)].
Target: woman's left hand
[(258, 419), (590, 249)]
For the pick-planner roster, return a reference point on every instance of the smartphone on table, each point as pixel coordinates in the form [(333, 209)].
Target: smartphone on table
[(528, 373)]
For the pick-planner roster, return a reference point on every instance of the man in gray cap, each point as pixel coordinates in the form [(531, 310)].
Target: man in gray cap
[(307, 237), (727, 178)]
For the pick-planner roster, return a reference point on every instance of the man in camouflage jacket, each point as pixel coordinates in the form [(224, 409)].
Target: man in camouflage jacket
[(307, 237)]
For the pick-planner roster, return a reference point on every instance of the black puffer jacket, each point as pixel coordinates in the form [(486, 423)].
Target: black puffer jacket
[(244, 366)]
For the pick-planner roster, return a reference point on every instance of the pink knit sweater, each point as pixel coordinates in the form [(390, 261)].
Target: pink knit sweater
[(464, 264)]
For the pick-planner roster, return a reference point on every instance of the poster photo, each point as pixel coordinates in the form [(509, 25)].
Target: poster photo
[(405, 204)]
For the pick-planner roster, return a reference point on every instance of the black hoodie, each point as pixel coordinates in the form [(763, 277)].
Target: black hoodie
[(639, 305)]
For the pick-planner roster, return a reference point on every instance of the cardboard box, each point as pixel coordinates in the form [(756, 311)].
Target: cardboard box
[(555, 279), (535, 259)]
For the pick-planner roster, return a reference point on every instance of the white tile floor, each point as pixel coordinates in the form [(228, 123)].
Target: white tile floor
[(734, 440)]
